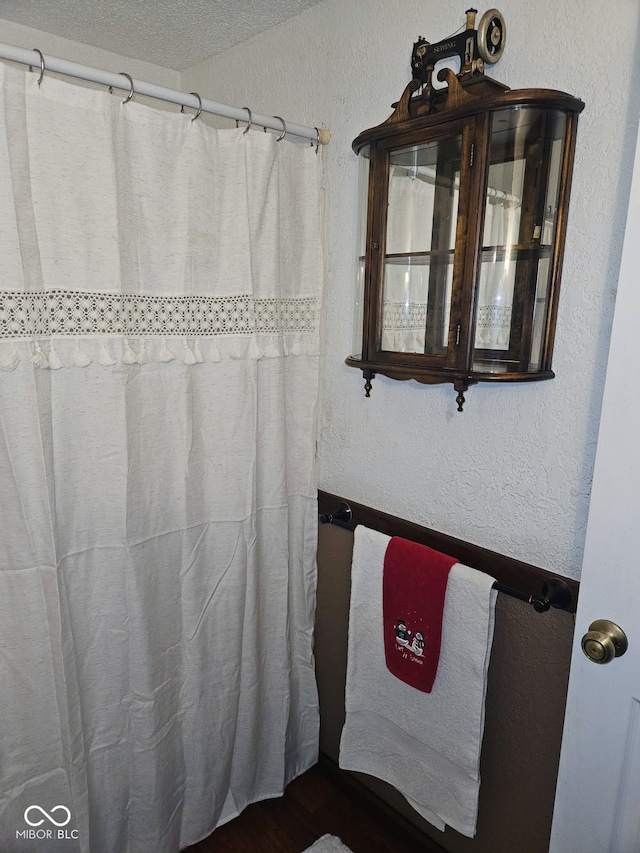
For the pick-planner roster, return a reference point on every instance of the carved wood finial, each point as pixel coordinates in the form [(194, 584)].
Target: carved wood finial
[(460, 385), (401, 110), (368, 375), (456, 95)]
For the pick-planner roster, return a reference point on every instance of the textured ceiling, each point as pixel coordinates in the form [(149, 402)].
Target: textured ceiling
[(170, 33)]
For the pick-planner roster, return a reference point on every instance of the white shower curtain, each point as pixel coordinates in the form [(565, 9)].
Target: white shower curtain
[(159, 302)]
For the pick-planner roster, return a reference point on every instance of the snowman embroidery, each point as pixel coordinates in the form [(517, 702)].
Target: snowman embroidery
[(418, 643), (403, 636)]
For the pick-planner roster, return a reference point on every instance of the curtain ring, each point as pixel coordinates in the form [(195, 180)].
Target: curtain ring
[(317, 130), (197, 115), (132, 90), (248, 127), (42, 66), (284, 128)]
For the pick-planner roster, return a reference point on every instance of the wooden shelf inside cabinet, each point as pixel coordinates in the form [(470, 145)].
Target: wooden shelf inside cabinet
[(420, 257)]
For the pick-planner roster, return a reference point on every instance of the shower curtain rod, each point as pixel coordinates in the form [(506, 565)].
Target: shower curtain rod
[(37, 61)]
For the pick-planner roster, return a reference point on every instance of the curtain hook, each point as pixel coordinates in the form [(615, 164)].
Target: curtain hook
[(248, 127), (42, 66), (284, 128), (197, 115)]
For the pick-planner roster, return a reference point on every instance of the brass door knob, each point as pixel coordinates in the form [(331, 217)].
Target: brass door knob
[(604, 641)]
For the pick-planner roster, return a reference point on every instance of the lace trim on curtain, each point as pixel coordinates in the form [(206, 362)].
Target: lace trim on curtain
[(404, 326), (240, 326), (404, 315), (494, 321), (28, 314)]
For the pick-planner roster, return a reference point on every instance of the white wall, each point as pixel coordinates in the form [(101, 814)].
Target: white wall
[(73, 51), (513, 471)]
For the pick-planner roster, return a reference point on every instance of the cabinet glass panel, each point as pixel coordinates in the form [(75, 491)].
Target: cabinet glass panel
[(358, 312), (422, 210), (521, 203)]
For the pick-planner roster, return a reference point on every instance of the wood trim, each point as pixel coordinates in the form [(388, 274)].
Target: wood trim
[(482, 101), (505, 570)]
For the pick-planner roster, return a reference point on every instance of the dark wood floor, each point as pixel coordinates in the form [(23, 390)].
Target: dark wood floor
[(318, 802)]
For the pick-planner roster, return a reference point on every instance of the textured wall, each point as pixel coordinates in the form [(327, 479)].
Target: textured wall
[(513, 471), (73, 51)]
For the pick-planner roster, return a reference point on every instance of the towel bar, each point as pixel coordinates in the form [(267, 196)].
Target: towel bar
[(555, 592)]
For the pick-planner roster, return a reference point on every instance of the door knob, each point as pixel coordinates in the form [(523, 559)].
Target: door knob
[(604, 641)]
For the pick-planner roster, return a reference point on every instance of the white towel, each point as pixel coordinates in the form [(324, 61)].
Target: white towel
[(426, 745)]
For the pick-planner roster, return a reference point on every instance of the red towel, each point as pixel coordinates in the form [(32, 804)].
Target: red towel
[(414, 585)]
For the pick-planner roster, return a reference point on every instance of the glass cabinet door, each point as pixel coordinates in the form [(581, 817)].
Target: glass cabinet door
[(420, 240), (520, 212)]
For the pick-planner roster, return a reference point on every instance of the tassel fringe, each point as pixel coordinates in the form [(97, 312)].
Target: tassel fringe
[(39, 358), (80, 358), (10, 361), (165, 352), (194, 351), (187, 356), (55, 362), (128, 355), (104, 356)]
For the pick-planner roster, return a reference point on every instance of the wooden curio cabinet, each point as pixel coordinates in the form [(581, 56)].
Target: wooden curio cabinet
[(464, 208)]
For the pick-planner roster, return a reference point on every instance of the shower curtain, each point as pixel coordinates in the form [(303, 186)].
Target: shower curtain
[(159, 302)]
